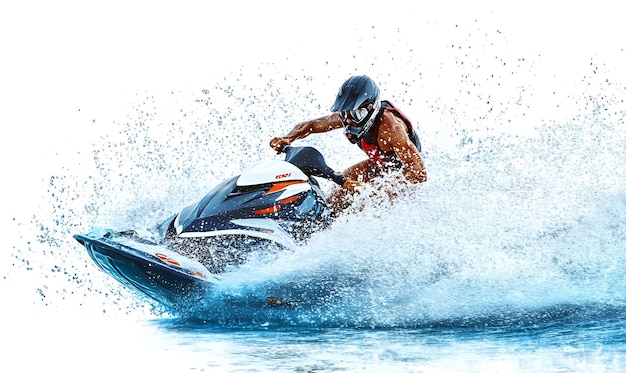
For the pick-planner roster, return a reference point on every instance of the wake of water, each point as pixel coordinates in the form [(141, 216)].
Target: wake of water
[(522, 214)]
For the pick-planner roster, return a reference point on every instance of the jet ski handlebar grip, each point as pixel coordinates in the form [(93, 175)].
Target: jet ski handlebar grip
[(338, 178)]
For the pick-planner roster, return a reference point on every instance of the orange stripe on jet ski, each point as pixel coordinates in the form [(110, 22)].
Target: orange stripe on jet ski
[(290, 199), (198, 274), (268, 210), (167, 259), (282, 185)]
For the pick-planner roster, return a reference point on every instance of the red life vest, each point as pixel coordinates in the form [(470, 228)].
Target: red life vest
[(378, 158)]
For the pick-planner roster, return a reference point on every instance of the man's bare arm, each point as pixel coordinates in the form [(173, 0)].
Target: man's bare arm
[(393, 134), (304, 129)]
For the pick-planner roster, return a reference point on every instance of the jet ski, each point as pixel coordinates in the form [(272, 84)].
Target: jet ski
[(273, 205)]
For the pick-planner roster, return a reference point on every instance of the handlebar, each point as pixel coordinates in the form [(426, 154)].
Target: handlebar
[(284, 148), (311, 162)]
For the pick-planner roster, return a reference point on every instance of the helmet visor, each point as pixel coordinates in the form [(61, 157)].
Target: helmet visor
[(357, 116)]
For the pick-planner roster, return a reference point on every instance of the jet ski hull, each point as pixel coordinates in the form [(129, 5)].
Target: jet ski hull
[(271, 206), (158, 274)]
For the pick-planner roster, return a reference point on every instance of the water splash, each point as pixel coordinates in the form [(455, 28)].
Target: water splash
[(524, 208)]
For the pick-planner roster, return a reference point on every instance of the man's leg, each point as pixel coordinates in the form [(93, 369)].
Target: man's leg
[(339, 199)]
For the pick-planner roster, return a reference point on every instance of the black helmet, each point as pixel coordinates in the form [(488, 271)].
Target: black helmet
[(358, 100)]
